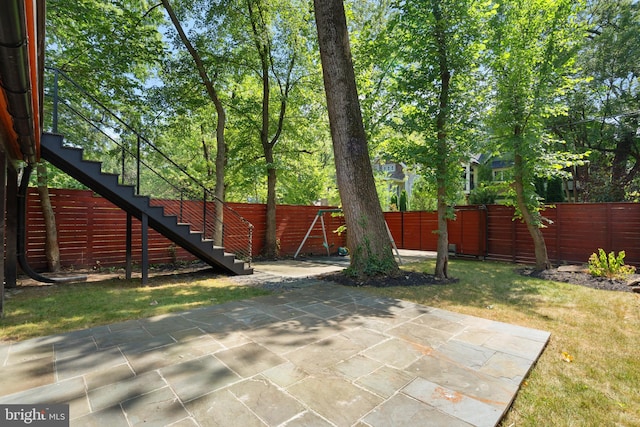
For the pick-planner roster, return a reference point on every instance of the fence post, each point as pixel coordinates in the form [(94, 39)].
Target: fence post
[(124, 153), (128, 250), (145, 248), (250, 244), (483, 221), (608, 229), (138, 168), (204, 214), (181, 204), (55, 101)]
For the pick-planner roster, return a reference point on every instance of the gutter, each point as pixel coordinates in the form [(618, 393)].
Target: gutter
[(21, 70), (17, 78)]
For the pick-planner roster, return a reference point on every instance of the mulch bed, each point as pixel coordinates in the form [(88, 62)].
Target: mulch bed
[(582, 278), (408, 278)]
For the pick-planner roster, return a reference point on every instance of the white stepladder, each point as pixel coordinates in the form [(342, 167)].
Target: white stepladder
[(320, 214)]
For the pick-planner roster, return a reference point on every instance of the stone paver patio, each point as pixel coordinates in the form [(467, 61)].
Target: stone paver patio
[(319, 355)]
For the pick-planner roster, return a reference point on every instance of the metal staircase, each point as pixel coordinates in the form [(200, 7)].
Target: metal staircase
[(107, 154), (70, 160)]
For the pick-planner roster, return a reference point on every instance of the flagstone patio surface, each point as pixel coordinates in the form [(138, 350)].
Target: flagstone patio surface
[(318, 354)]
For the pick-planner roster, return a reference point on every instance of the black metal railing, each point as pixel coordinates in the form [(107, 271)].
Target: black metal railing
[(88, 123)]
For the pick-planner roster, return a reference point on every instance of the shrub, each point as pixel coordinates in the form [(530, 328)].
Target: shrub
[(483, 195), (610, 266), (402, 206)]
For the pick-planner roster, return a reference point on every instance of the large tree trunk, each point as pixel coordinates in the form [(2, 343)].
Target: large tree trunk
[(529, 217), (367, 237), (52, 251)]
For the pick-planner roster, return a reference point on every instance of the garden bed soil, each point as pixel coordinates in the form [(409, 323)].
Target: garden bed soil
[(580, 276), (406, 278), (576, 276)]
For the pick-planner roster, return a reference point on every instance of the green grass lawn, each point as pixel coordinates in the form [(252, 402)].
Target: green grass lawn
[(599, 330), (44, 310)]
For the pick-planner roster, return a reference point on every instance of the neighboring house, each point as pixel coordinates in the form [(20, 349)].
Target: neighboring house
[(470, 173), (485, 168), (499, 170), (398, 176), (479, 167)]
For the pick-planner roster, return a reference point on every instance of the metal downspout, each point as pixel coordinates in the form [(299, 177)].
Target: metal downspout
[(22, 236), (16, 81)]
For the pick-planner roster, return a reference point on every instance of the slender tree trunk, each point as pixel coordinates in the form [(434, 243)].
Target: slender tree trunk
[(442, 169), (442, 256), (219, 193), (263, 45), (367, 238), (221, 145), (220, 190), (205, 152), (270, 246), (529, 217), (52, 251)]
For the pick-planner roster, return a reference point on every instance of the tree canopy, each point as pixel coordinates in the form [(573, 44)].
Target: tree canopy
[(549, 87)]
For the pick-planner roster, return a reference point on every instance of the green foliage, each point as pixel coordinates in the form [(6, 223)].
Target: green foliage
[(123, 53), (373, 265), (393, 202), (431, 42), (611, 266), (555, 193), (402, 203), (550, 190), (423, 196), (483, 195), (485, 173), (602, 114)]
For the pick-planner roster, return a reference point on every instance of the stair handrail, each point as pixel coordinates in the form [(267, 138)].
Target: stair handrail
[(208, 195), (106, 135)]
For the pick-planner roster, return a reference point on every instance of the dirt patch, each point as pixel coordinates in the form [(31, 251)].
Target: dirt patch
[(582, 278), (406, 278)]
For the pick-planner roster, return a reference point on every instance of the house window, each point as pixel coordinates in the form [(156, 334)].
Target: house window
[(468, 178), (499, 175)]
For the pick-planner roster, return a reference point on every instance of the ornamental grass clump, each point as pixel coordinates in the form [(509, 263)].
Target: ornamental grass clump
[(611, 266)]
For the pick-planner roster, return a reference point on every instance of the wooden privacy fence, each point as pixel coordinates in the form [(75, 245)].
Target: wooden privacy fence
[(575, 232), (92, 231)]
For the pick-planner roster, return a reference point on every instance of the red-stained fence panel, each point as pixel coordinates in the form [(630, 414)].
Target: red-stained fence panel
[(92, 231)]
